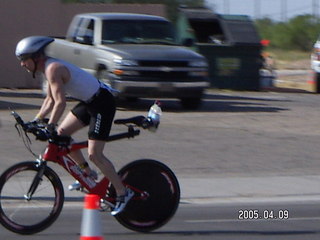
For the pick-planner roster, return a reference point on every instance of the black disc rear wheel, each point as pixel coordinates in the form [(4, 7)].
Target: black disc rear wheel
[(162, 188)]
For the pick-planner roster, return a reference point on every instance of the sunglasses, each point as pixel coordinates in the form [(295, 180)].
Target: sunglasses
[(24, 57)]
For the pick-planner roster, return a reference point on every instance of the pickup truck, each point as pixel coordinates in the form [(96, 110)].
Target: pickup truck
[(136, 54)]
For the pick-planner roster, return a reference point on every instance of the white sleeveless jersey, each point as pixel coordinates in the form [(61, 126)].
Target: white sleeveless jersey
[(81, 85)]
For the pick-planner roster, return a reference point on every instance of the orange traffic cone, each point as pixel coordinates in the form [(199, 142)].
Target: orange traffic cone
[(91, 226)]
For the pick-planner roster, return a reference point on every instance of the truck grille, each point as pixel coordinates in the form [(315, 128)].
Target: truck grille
[(163, 63), (164, 75)]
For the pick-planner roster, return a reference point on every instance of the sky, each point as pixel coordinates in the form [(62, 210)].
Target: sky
[(278, 10)]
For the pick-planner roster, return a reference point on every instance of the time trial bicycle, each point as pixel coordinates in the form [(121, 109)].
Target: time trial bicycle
[(32, 194)]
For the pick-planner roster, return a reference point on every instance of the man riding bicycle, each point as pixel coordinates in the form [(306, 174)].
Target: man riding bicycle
[(96, 108)]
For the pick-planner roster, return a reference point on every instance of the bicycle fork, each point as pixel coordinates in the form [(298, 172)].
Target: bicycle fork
[(41, 165)]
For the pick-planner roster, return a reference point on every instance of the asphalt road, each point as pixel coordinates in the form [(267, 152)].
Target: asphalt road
[(220, 153), (233, 134), (199, 222)]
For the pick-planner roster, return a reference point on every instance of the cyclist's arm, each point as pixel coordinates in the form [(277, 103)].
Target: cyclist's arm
[(55, 74), (47, 105)]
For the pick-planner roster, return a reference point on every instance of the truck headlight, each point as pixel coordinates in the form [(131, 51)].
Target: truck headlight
[(120, 72), (198, 63), (126, 62)]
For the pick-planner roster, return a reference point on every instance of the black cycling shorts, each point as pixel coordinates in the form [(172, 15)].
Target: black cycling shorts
[(98, 113)]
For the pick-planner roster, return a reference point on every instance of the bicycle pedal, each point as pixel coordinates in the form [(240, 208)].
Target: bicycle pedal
[(105, 209), (105, 206), (76, 186)]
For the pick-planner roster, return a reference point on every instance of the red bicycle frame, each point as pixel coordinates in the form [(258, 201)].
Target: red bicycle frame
[(59, 154)]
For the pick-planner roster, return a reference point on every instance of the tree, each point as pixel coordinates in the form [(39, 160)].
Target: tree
[(265, 27), (298, 33), (303, 31)]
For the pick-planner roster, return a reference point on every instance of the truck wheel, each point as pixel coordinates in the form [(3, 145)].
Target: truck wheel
[(317, 79), (191, 103)]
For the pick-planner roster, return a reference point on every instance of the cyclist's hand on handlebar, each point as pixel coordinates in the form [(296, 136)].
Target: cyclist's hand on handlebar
[(36, 123), (51, 128), (46, 133), (39, 122), (41, 134), (37, 127), (51, 131), (41, 130)]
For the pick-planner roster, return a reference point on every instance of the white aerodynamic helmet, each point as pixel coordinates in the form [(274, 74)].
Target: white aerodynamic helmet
[(30, 47)]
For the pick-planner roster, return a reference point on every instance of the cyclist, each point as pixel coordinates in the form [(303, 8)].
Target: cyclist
[(96, 107)]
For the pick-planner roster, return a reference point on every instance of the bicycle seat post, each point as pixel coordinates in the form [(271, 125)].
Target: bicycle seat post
[(131, 131)]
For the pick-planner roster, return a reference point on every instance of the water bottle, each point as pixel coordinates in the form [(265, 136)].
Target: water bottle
[(154, 116)]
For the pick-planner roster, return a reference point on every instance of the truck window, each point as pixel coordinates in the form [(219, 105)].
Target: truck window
[(137, 31), (84, 31)]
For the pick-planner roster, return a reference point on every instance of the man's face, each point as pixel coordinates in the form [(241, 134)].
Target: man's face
[(28, 64)]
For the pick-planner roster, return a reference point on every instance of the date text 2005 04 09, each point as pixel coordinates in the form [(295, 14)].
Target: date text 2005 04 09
[(255, 214)]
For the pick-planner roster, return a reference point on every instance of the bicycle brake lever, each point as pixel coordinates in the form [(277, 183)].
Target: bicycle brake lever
[(20, 134), (17, 128)]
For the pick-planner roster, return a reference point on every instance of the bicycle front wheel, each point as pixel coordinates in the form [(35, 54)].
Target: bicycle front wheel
[(162, 188), (29, 203)]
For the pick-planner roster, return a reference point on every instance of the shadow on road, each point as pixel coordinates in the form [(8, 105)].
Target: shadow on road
[(5, 105), (20, 94), (15, 99), (211, 103)]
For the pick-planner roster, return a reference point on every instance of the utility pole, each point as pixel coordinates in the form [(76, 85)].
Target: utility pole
[(226, 7), (284, 10), (315, 9)]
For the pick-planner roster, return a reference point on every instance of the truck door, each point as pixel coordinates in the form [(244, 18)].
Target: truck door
[(82, 52)]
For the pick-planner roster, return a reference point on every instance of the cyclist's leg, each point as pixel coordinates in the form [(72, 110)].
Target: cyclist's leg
[(69, 126), (101, 111), (95, 151)]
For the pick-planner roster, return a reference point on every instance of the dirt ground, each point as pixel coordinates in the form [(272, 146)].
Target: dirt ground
[(293, 65)]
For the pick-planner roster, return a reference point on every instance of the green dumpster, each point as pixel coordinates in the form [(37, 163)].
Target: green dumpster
[(229, 42)]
